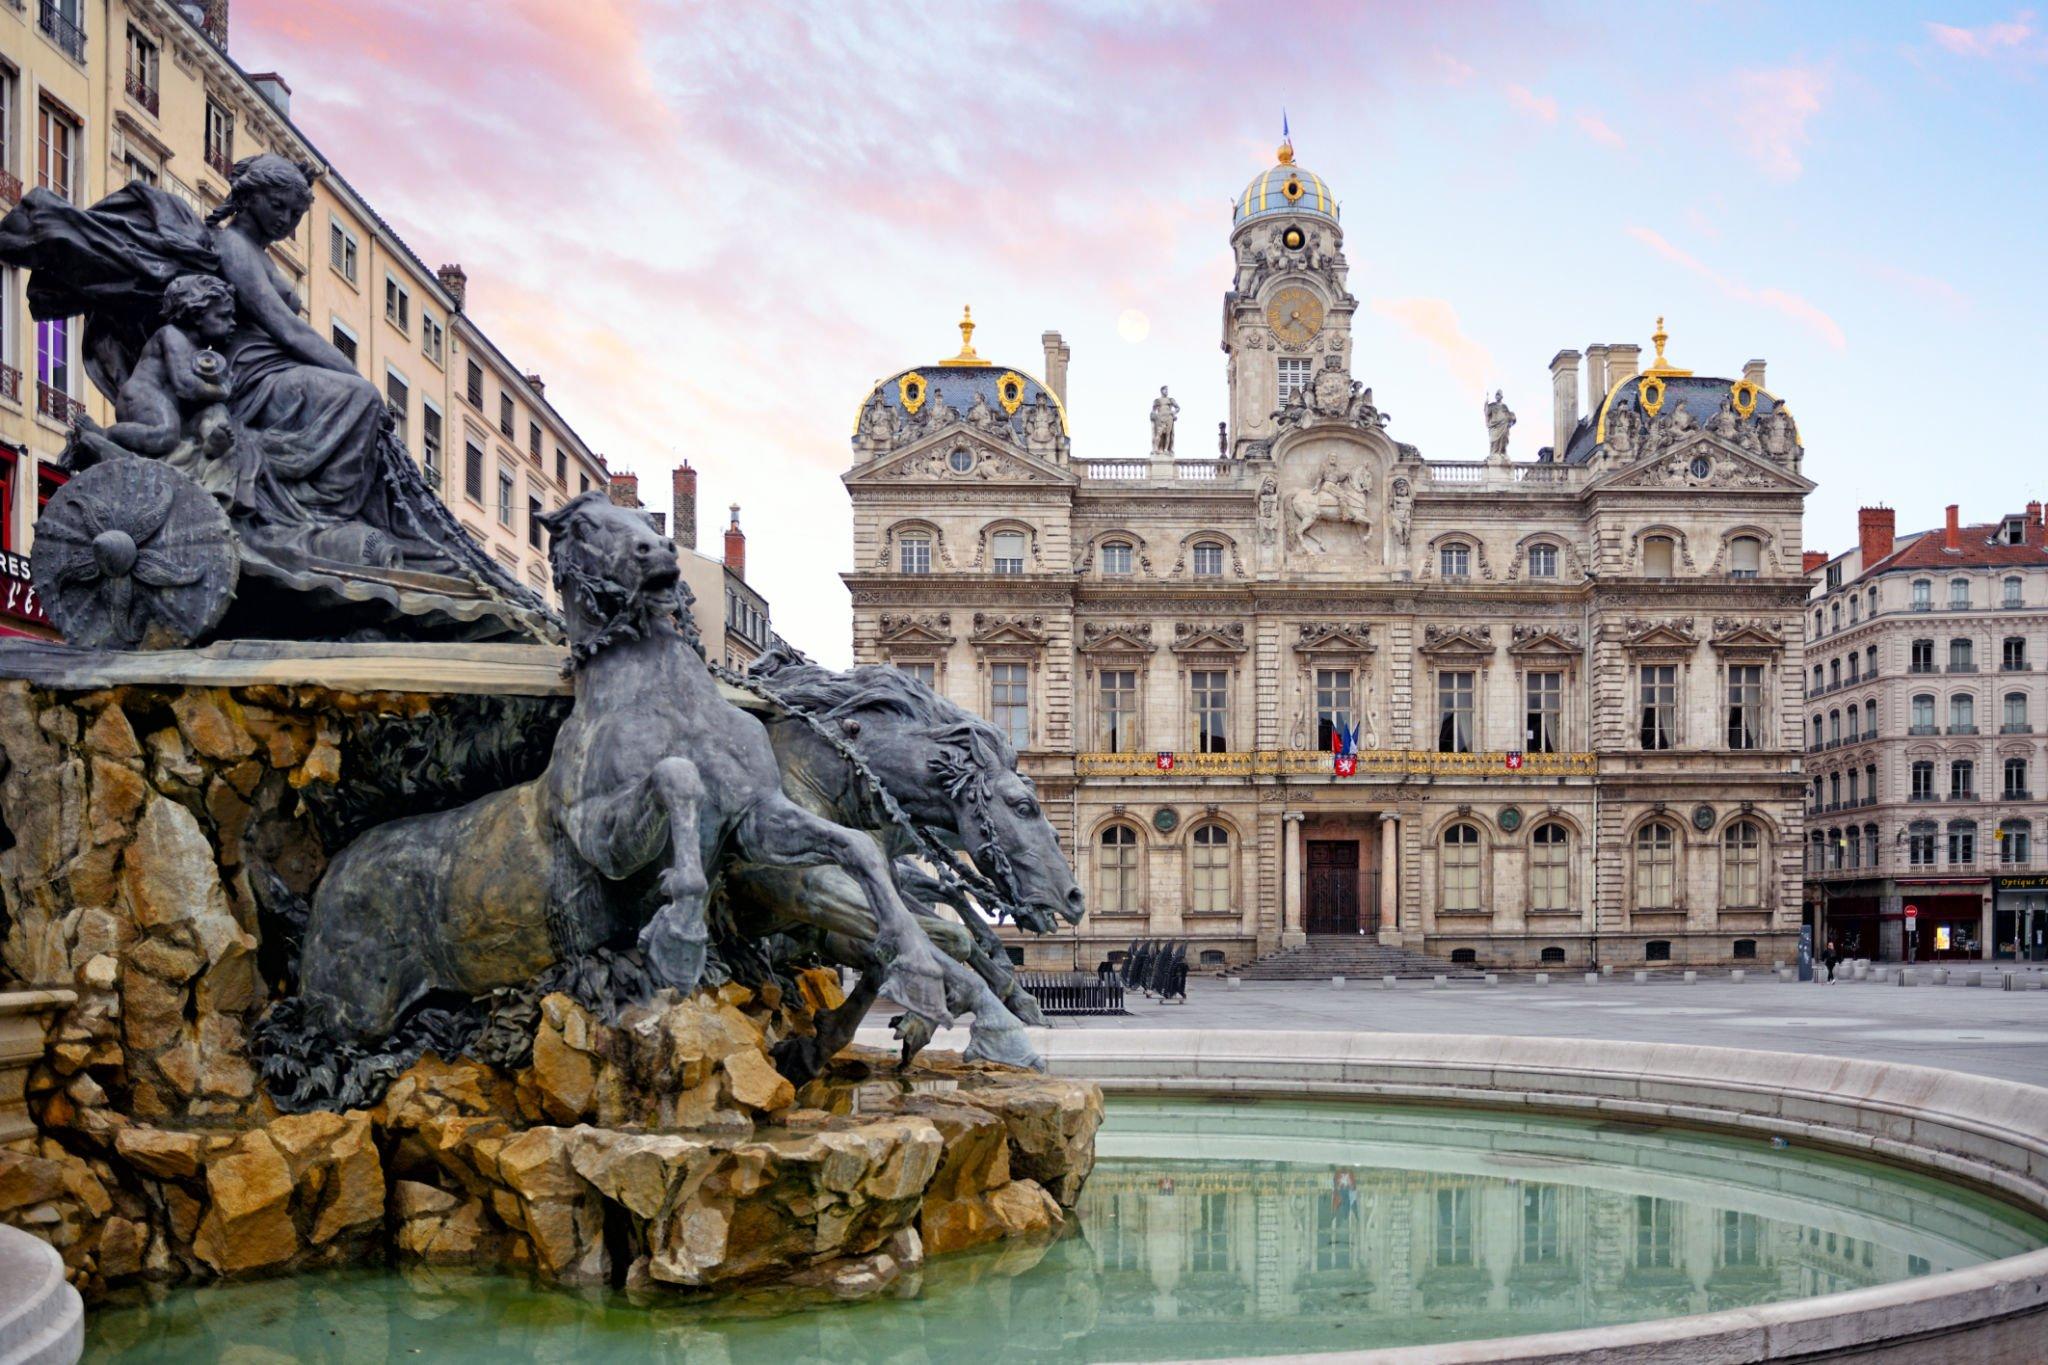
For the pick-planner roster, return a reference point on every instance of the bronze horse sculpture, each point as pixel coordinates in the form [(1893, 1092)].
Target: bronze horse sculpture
[(657, 785)]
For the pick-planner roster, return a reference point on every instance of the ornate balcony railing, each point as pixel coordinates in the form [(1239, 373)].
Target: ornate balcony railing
[(220, 162), (1114, 469), (142, 92), (61, 30), (1318, 763), (10, 383), (57, 404)]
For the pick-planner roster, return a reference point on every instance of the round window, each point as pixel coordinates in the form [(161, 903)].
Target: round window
[(1701, 466), (1293, 238), (962, 460), (1166, 819)]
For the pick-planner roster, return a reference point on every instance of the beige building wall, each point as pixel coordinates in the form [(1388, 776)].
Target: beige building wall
[(363, 284)]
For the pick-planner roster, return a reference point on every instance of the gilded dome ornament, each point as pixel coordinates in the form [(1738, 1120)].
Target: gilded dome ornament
[(911, 389), (1292, 189), (1650, 393), (1010, 392), (967, 355), (1743, 393)]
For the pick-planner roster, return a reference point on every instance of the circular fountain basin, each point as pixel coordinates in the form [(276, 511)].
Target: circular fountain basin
[(1232, 1216)]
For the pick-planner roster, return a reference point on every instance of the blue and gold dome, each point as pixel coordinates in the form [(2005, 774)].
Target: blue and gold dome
[(1286, 188), (1007, 394)]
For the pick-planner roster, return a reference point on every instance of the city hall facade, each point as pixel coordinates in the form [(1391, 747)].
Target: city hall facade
[(1574, 683)]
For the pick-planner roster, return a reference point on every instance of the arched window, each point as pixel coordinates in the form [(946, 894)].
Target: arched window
[(1855, 609), (914, 552), (1834, 727), (2013, 590), (1922, 714), (1961, 657), (1657, 950), (1745, 557), (1835, 616), (1656, 866), (1742, 864), (1870, 844), (1542, 561), (1208, 559), (1835, 673), (1870, 657), (1923, 594), (1962, 714), (1116, 558), (1819, 731), (1920, 838), (1959, 592), (1962, 779), (1873, 603), (1211, 868), (1116, 872), (1834, 847), (1550, 869), (1006, 552), (1553, 956), (1657, 556), (1855, 666), (1461, 867), (1834, 790)]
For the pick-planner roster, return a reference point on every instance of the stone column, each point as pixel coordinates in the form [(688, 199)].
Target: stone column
[(1390, 881), (1291, 874)]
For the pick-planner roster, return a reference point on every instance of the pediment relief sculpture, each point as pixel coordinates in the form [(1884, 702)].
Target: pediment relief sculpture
[(1333, 637), (1669, 632), (1560, 639), (1772, 435), (1333, 396), (1116, 637), (1439, 639), (1200, 637), (993, 629), (935, 628), (1339, 495), (1034, 427), (1737, 632)]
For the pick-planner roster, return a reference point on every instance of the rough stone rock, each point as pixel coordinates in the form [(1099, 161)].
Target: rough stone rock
[(354, 1196), (152, 1013), (249, 1223), (173, 760), (565, 1077), (159, 1152), (755, 1082), (207, 727), (118, 792), (122, 1243), (286, 739), (110, 734), (415, 1200), (170, 878), (641, 1171), (26, 1179), (818, 987), (101, 972), (1052, 1125), (167, 961)]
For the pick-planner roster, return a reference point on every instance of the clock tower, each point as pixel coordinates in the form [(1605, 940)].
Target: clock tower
[(1287, 315)]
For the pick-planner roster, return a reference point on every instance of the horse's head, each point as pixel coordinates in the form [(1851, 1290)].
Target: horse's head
[(999, 822), (618, 576)]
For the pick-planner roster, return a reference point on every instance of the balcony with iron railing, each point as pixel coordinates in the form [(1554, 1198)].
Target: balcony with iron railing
[(10, 188), (10, 383), (1962, 729), (142, 92), (57, 405), (1918, 730), (220, 161), (2016, 727), (1962, 667), (61, 29)]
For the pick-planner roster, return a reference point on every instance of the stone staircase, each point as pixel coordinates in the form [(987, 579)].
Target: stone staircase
[(1356, 957)]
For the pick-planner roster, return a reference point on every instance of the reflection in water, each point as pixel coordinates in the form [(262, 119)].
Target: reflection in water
[(1211, 1229)]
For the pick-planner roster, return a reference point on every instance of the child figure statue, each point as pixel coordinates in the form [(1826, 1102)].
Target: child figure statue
[(176, 396)]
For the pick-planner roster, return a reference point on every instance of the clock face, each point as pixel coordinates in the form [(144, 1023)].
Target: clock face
[(1295, 315)]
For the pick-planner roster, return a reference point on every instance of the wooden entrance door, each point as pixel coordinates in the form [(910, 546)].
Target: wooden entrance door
[(1332, 902)]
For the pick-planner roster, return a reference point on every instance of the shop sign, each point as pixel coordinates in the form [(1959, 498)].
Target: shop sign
[(18, 590), (2037, 882)]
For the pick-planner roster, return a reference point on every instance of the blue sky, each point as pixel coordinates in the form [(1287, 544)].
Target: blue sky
[(711, 227)]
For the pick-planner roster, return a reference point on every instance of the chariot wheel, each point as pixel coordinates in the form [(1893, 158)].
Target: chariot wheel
[(132, 554)]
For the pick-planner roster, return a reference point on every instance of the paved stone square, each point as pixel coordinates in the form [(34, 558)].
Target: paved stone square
[(1978, 1029)]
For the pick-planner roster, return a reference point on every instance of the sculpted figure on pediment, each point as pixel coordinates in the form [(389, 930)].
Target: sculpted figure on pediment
[(1041, 427), (981, 414)]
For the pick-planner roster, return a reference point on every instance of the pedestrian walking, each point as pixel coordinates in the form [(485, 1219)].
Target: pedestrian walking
[(1829, 956)]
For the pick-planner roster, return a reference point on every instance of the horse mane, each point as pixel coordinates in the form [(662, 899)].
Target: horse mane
[(795, 681), (616, 613)]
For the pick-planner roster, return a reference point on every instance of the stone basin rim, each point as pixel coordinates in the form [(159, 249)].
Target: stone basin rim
[(1978, 1130)]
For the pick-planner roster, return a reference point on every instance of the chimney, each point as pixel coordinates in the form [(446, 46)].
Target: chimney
[(1952, 535), (214, 22), (685, 504), (1596, 375), (2034, 513), (271, 86), (624, 490), (1812, 560), (1753, 373), (1564, 397), (1622, 358), (1875, 529), (455, 280), (736, 546), (1056, 354), (660, 520), (533, 382)]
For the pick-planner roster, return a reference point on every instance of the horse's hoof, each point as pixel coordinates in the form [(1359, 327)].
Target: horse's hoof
[(673, 960)]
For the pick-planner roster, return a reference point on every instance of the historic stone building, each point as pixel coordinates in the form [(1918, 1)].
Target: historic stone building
[(1926, 653), (93, 97), (1576, 683)]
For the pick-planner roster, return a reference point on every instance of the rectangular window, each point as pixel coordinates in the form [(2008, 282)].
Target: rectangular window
[(1746, 706), (2014, 658), (1542, 1225), (473, 471), (1006, 552), (398, 396), (53, 356), (138, 169), (533, 440), (1657, 557), (1116, 559), (1961, 657), (397, 305), (430, 442), (344, 341), (1294, 377), (1543, 713), (1962, 844), (1656, 1233), (533, 526), (1550, 873), (1211, 696), (1923, 594), (473, 386), (1959, 592), (220, 139), (2012, 593), (915, 554), (63, 22), (1923, 781), (2014, 844), (562, 478), (1657, 688), (8, 104), (1454, 697), (926, 673), (1009, 695), (1117, 710), (507, 485), (56, 149), (1209, 560), (1453, 1240), (1542, 561), (433, 338), (1962, 780), (341, 249), (505, 414), (1922, 659), (1455, 561), (2015, 779), (1920, 846), (1333, 705), (143, 58)]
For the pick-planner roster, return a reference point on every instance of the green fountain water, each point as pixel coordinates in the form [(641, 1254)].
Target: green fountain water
[(1216, 1229)]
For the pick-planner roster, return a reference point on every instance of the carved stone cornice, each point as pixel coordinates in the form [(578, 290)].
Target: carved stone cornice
[(1457, 642), (1740, 633), (1543, 639), (1017, 632), (915, 628), (1116, 637), (1650, 635), (1208, 637)]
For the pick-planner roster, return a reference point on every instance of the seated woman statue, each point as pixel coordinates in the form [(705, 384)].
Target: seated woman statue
[(317, 475)]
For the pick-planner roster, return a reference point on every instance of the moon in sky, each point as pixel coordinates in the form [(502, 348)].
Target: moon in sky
[(1133, 326)]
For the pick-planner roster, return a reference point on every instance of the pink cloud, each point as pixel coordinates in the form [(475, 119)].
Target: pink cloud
[(1791, 305), (1541, 107), (1435, 322), (1598, 129), (1932, 288), (1987, 40), (1771, 112), (1453, 70)]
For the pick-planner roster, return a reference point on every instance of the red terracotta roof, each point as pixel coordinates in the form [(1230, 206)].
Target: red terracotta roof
[(1979, 547)]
